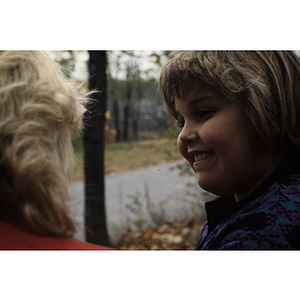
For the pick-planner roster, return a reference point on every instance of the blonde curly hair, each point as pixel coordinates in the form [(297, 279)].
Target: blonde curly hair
[(39, 110)]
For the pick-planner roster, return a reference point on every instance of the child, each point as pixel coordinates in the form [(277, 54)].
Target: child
[(239, 114), (39, 110)]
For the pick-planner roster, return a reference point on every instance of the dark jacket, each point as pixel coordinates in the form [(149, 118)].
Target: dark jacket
[(267, 219)]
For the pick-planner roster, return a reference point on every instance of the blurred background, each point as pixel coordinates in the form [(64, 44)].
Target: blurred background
[(150, 198)]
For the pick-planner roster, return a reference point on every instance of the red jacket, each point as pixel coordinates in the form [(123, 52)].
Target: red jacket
[(14, 238)]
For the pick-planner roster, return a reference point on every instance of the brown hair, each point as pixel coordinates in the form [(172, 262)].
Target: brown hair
[(267, 82), (39, 110)]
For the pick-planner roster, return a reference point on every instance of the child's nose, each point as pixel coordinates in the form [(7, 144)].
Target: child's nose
[(188, 134)]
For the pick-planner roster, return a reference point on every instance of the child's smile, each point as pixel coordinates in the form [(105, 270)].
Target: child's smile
[(218, 141), (200, 159)]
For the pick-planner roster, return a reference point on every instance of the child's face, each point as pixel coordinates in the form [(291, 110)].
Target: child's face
[(218, 141)]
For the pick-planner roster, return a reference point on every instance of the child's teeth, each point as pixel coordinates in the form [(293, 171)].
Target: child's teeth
[(201, 156)]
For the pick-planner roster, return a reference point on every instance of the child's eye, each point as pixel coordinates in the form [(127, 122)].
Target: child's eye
[(205, 114)]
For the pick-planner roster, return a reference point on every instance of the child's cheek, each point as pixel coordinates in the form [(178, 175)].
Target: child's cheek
[(214, 135)]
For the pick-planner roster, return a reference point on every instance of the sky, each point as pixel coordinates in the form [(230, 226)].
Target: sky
[(145, 61)]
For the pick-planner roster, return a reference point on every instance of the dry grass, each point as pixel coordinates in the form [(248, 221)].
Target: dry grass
[(126, 156)]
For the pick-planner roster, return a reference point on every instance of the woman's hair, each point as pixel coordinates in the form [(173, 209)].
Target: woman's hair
[(266, 82), (39, 110)]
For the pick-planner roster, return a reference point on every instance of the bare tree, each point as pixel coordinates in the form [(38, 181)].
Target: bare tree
[(129, 85), (94, 139)]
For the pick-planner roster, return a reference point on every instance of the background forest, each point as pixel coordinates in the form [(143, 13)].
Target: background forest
[(134, 109), (136, 134)]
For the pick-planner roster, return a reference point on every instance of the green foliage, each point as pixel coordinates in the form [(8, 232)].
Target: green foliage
[(158, 217), (161, 56), (77, 143), (136, 208), (172, 131)]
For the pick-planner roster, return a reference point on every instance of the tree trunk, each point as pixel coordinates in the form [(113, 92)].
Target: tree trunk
[(135, 128), (128, 100), (94, 139), (117, 120), (126, 122)]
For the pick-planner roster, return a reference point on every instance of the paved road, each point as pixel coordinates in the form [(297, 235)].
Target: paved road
[(157, 189)]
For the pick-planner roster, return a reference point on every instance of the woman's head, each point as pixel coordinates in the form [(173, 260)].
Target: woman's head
[(265, 82), (39, 110)]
